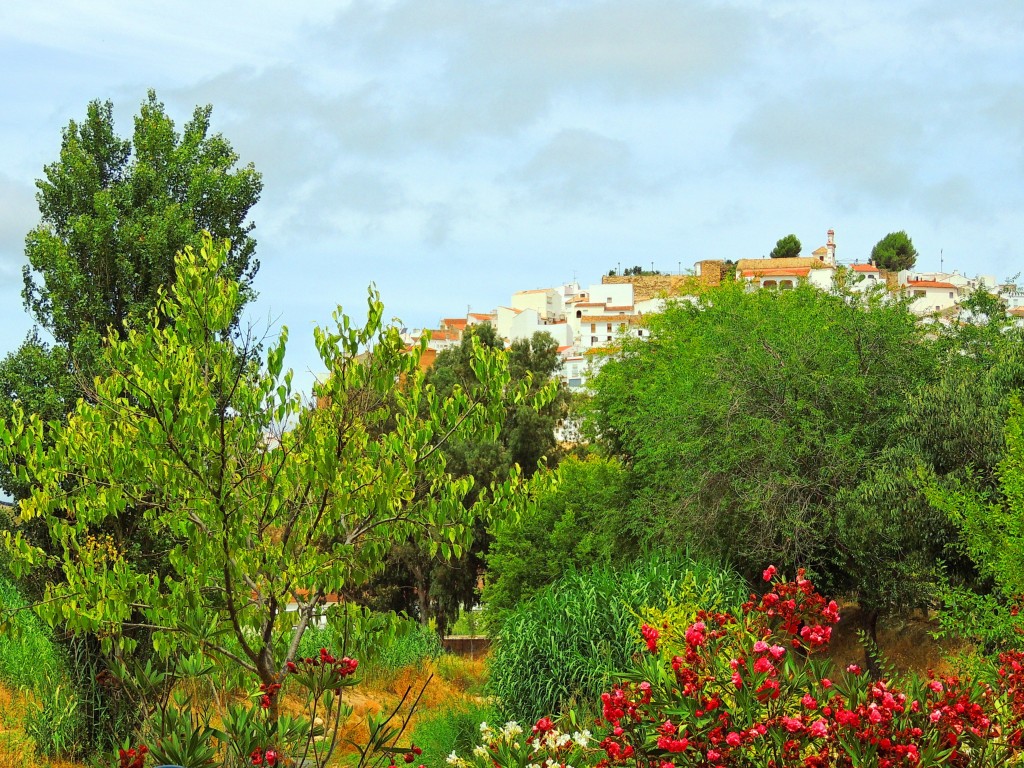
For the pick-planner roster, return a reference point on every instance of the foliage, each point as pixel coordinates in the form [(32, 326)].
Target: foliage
[(28, 656), (571, 525), (747, 688), (558, 650), (454, 727), (191, 433), (747, 416), (181, 732), (786, 248), (115, 212), (433, 587), (894, 252), (992, 533), (31, 662)]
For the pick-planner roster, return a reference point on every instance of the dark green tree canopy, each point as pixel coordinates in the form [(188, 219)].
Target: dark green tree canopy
[(786, 248), (116, 211), (894, 252)]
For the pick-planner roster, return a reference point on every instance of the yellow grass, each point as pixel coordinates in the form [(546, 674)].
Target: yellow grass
[(451, 683)]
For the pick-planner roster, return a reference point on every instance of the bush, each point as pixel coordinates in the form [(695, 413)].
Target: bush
[(562, 648)]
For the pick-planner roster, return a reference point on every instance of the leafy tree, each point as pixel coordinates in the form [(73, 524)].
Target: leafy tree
[(38, 378), (572, 524), (114, 214), (748, 414), (252, 516), (436, 587), (787, 247), (894, 252)]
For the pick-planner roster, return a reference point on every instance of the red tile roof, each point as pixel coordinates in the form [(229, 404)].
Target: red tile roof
[(864, 268), (784, 272), (929, 284)]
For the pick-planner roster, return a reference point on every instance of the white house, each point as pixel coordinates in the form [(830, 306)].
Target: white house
[(548, 302), (931, 296)]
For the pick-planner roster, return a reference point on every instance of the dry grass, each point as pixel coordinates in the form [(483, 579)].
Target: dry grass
[(907, 645), (16, 749), (455, 679)]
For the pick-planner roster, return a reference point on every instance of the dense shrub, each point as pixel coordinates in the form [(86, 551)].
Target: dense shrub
[(561, 648)]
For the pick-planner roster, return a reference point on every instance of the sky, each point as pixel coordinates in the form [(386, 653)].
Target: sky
[(452, 152)]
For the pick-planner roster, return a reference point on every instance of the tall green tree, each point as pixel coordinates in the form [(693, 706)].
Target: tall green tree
[(252, 516), (895, 252), (435, 587), (114, 212), (787, 247), (747, 414)]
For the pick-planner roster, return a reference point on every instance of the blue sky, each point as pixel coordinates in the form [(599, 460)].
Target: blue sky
[(455, 151)]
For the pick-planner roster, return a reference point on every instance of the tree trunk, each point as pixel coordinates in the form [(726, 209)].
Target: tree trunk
[(869, 619)]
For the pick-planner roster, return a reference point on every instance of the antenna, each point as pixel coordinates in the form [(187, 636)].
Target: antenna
[(940, 261)]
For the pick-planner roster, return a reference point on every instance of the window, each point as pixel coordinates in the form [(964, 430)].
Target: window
[(768, 284), (609, 327), (786, 284), (593, 327), (951, 294), (920, 294), (593, 339), (609, 338), (579, 313)]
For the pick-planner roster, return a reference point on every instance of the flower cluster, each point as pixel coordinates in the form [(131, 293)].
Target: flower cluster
[(134, 757), (264, 757), (545, 746), (748, 690), (323, 672), (269, 693)]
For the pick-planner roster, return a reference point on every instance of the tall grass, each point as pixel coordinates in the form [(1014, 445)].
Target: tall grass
[(451, 728), (32, 663), (560, 649), (27, 652)]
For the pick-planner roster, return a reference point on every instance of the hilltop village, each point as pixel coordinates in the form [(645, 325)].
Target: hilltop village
[(586, 322)]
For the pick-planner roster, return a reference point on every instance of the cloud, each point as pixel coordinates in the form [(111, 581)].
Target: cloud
[(17, 215), (579, 168), (873, 141)]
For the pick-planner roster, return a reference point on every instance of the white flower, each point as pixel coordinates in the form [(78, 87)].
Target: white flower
[(581, 737), (454, 759), (480, 751), (511, 729)]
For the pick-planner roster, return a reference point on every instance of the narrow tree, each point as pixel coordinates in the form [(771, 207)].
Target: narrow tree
[(114, 212), (787, 247), (894, 252), (253, 516)]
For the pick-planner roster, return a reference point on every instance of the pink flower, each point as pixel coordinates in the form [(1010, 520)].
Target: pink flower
[(769, 572)]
